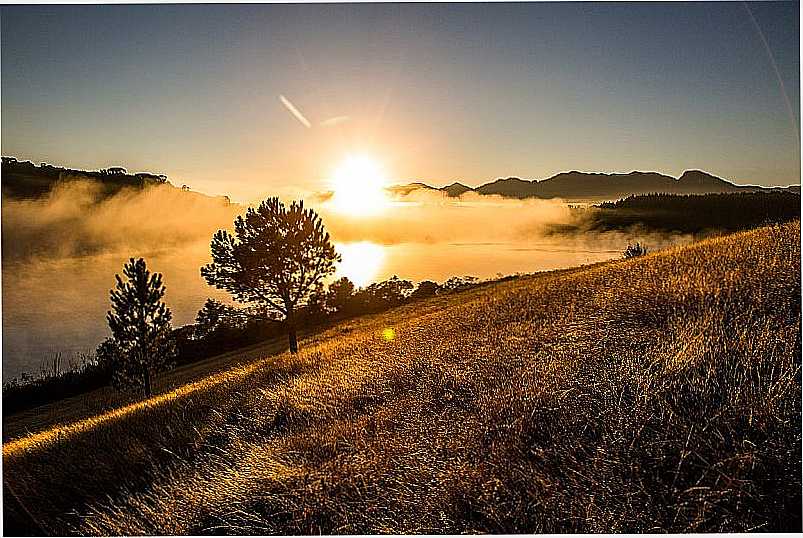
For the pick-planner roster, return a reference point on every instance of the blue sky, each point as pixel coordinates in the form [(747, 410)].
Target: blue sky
[(436, 92)]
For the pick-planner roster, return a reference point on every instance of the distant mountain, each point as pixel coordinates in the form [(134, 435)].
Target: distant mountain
[(456, 189), (576, 185), (580, 185), (26, 180), (407, 188), (694, 181)]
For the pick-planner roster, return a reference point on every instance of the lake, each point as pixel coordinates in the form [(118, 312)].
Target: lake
[(60, 305)]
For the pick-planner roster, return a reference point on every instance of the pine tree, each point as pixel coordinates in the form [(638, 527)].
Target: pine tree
[(316, 308), (214, 315), (275, 259), (341, 295), (140, 325)]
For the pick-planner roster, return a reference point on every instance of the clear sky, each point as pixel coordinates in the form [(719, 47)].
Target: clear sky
[(435, 92)]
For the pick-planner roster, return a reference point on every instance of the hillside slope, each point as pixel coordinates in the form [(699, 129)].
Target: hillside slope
[(657, 393)]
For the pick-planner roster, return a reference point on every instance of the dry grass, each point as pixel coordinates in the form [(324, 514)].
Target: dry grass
[(654, 394)]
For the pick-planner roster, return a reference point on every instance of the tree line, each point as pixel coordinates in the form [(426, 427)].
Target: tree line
[(696, 213), (24, 179)]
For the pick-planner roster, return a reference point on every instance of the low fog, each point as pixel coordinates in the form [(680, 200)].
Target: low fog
[(430, 217), (60, 253), (77, 220)]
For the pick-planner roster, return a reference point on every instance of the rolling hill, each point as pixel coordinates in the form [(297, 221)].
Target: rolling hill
[(582, 186), (660, 393), (23, 180)]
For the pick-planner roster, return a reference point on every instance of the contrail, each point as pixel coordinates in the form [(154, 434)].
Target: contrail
[(334, 121), (294, 111), (774, 67)]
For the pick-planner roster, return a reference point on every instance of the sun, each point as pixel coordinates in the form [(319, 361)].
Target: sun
[(358, 187)]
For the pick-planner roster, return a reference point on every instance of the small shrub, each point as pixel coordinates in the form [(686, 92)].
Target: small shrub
[(634, 251)]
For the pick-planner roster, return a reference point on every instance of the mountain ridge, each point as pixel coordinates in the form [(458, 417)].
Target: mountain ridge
[(593, 185), (23, 179)]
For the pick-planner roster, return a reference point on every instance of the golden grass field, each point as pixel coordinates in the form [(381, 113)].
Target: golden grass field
[(660, 393)]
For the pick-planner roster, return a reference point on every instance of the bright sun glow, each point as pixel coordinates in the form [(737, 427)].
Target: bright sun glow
[(361, 262), (358, 187)]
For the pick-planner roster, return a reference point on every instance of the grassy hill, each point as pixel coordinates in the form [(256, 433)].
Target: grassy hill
[(657, 393)]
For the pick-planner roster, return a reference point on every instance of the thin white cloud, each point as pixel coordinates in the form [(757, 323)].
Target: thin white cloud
[(294, 111), (331, 122)]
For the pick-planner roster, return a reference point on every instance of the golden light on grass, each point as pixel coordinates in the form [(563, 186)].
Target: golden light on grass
[(42, 440), (361, 261), (358, 186)]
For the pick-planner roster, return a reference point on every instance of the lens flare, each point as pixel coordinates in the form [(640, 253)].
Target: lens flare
[(388, 334)]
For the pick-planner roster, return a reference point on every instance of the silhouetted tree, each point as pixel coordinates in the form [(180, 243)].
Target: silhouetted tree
[(395, 290), (275, 258), (340, 296), (634, 251), (215, 314), (382, 295), (140, 325), (208, 317), (426, 288), (107, 355), (316, 308), (458, 283)]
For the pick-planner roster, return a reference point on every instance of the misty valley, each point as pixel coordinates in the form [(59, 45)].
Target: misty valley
[(77, 230)]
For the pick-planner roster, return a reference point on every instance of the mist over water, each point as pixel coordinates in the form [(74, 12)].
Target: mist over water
[(60, 305), (60, 254)]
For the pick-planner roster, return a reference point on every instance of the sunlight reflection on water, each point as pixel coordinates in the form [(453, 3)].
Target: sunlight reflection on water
[(366, 262), (361, 262)]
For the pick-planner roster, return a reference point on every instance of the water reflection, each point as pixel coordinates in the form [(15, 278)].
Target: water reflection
[(365, 262), (361, 263)]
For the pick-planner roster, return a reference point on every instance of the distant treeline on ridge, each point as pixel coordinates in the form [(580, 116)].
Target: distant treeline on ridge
[(696, 214)]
